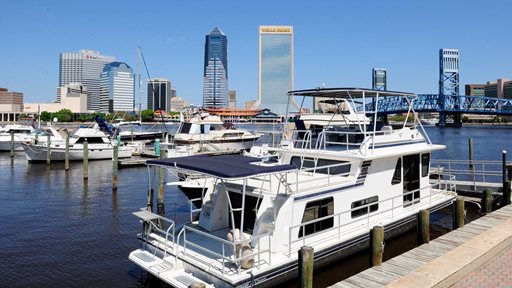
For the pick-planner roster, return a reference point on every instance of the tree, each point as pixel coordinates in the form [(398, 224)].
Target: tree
[(147, 115), (64, 115), (46, 116)]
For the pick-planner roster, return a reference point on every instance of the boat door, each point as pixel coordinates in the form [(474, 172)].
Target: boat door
[(411, 180)]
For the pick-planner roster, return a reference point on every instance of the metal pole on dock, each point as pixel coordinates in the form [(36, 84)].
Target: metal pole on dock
[(306, 254), (506, 194), (48, 150), (132, 135), (487, 201), (471, 166), (504, 176), (458, 218), (118, 138), (115, 167), (66, 154), (12, 144), (423, 227), (377, 245), (86, 160), (161, 177)]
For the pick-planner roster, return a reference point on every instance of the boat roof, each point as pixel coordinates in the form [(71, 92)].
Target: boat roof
[(222, 166), (347, 93)]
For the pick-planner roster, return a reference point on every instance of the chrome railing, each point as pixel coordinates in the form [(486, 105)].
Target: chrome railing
[(469, 170), (154, 225), (224, 256), (364, 223)]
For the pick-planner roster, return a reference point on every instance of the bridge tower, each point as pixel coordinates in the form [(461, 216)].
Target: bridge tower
[(379, 79), (448, 84)]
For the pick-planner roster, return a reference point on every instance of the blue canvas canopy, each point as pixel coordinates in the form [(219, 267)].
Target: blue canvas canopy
[(222, 166)]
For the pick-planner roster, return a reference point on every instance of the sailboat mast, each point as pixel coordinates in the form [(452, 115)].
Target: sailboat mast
[(140, 83)]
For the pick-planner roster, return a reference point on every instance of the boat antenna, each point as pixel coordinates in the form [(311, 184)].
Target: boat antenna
[(152, 88)]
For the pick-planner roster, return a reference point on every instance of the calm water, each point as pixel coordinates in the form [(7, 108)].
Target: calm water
[(59, 231)]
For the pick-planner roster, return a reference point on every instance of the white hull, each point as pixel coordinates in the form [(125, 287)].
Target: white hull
[(6, 146), (39, 153)]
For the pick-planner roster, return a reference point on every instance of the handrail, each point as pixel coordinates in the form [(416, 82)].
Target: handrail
[(368, 214), (236, 259)]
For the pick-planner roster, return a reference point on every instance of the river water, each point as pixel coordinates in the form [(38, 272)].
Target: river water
[(59, 231)]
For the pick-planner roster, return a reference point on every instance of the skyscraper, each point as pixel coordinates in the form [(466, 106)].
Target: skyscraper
[(84, 67), (159, 94), (215, 85), (117, 88), (379, 79), (275, 68)]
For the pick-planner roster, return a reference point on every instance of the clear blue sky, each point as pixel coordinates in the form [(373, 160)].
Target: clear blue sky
[(336, 42)]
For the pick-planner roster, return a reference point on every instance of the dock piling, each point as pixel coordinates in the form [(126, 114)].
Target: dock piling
[(157, 147), (471, 165), (86, 160), (66, 154), (197, 285), (115, 168), (487, 201), (48, 150), (377, 245), (458, 218), (161, 190), (12, 144), (306, 254), (423, 227)]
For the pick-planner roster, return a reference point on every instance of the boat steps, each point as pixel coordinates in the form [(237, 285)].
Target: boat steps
[(164, 269)]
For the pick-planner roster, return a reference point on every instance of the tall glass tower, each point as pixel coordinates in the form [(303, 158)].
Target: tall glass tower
[(275, 73), (215, 87), (117, 88)]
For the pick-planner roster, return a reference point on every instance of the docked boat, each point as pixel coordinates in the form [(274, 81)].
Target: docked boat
[(99, 147), (132, 130), (22, 134), (325, 192), (205, 133), (429, 121), (334, 112)]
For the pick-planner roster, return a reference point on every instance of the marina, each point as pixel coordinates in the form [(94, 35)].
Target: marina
[(52, 202)]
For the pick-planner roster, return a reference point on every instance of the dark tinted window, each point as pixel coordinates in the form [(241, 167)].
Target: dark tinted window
[(397, 176), (185, 128), (314, 210), (364, 210), (425, 164)]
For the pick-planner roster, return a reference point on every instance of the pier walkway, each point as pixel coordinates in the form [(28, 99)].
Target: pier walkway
[(477, 255)]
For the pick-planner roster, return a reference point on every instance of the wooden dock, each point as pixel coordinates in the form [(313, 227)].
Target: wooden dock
[(444, 260)]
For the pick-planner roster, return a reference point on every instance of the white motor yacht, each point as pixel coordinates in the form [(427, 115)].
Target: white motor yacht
[(205, 133), (326, 192), (99, 147), (22, 134)]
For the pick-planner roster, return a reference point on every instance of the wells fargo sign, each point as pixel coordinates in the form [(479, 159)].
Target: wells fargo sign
[(276, 29)]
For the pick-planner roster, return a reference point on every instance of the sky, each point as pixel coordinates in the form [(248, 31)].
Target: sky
[(336, 43)]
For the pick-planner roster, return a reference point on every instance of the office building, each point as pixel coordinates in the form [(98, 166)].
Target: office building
[(179, 104), (232, 99), (160, 93), (215, 83), (379, 79), (250, 105), (10, 101), (275, 69), (474, 89), (117, 88), (501, 88), (84, 67)]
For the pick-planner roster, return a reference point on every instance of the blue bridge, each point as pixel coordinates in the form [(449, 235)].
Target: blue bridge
[(452, 105)]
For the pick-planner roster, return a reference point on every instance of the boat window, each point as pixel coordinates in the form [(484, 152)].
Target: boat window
[(216, 127), (397, 176), (185, 128), (90, 140), (315, 210), (364, 210), (18, 131), (310, 163), (202, 128), (425, 164), (251, 203)]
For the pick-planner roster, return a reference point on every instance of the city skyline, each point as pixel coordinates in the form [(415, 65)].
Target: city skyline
[(401, 36)]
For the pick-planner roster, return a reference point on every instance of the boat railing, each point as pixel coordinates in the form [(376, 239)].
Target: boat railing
[(472, 171), (328, 176), (153, 223), (228, 249), (269, 138), (397, 204), (193, 210), (301, 139)]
